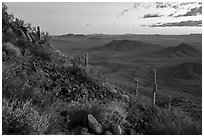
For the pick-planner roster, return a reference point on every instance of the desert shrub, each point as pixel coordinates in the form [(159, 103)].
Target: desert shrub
[(10, 50), (22, 43), (175, 122), (58, 125), (45, 37), (114, 113), (86, 74), (24, 84), (106, 113), (157, 120), (42, 52), (21, 118)]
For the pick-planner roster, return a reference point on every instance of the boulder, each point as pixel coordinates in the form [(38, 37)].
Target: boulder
[(125, 98), (116, 130), (114, 91), (84, 131), (94, 125), (132, 132), (107, 133)]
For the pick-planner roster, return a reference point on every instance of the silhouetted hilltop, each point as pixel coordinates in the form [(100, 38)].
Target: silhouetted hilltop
[(182, 50)]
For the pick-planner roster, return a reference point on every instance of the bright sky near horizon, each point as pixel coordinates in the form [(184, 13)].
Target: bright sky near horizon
[(111, 17)]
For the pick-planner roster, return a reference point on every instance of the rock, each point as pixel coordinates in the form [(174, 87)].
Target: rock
[(114, 91), (107, 133), (116, 130), (132, 132), (84, 131), (64, 113), (122, 91), (125, 98), (94, 125)]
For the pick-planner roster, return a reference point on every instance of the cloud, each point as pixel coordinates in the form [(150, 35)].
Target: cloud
[(123, 12), (152, 15), (166, 5), (187, 3), (175, 6), (148, 5), (135, 6), (189, 23), (193, 12)]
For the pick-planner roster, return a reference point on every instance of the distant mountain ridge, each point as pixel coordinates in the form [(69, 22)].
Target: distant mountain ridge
[(186, 70), (127, 45), (182, 50)]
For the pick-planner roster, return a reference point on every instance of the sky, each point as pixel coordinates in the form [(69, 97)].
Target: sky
[(169, 18)]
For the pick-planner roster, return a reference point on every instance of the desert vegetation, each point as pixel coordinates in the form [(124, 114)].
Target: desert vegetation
[(45, 92)]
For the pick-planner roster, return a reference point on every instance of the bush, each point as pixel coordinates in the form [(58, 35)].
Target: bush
[(76, 113), (10, 49), (175, 122), (20, 118), (42, 52), (86, 74)]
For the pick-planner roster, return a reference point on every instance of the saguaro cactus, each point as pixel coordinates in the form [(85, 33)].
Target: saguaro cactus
[(86, 59), (136, 87), (116, 85), (169, 105), (38, 33), (154, 89), (79, 60)]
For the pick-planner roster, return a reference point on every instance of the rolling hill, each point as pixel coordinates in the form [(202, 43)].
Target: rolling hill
[(127, 46), (182, 50), (186, 70)]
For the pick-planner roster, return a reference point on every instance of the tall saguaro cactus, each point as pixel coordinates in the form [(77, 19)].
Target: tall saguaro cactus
[(79, 60), (154, 88), (38, 33), (169, 105), (136, 87), (86, 59)]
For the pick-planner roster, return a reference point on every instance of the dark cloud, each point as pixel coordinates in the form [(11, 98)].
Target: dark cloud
[(187, 3), (174, 5), (161, 5), (152, 15), (170, 15), (193, 12), (136, 5), (189, 23)]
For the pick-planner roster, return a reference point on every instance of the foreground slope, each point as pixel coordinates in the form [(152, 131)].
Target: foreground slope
[(46, 93)]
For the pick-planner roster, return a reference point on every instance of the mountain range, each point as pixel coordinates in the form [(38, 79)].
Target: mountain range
[(186, 70), (182, 50), (127, 46)]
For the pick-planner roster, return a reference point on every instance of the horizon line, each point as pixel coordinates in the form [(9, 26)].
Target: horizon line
[(124, 34)]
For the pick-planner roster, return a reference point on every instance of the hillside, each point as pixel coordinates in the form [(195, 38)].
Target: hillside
[(45, 92), (187, 70), (182, 50)]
